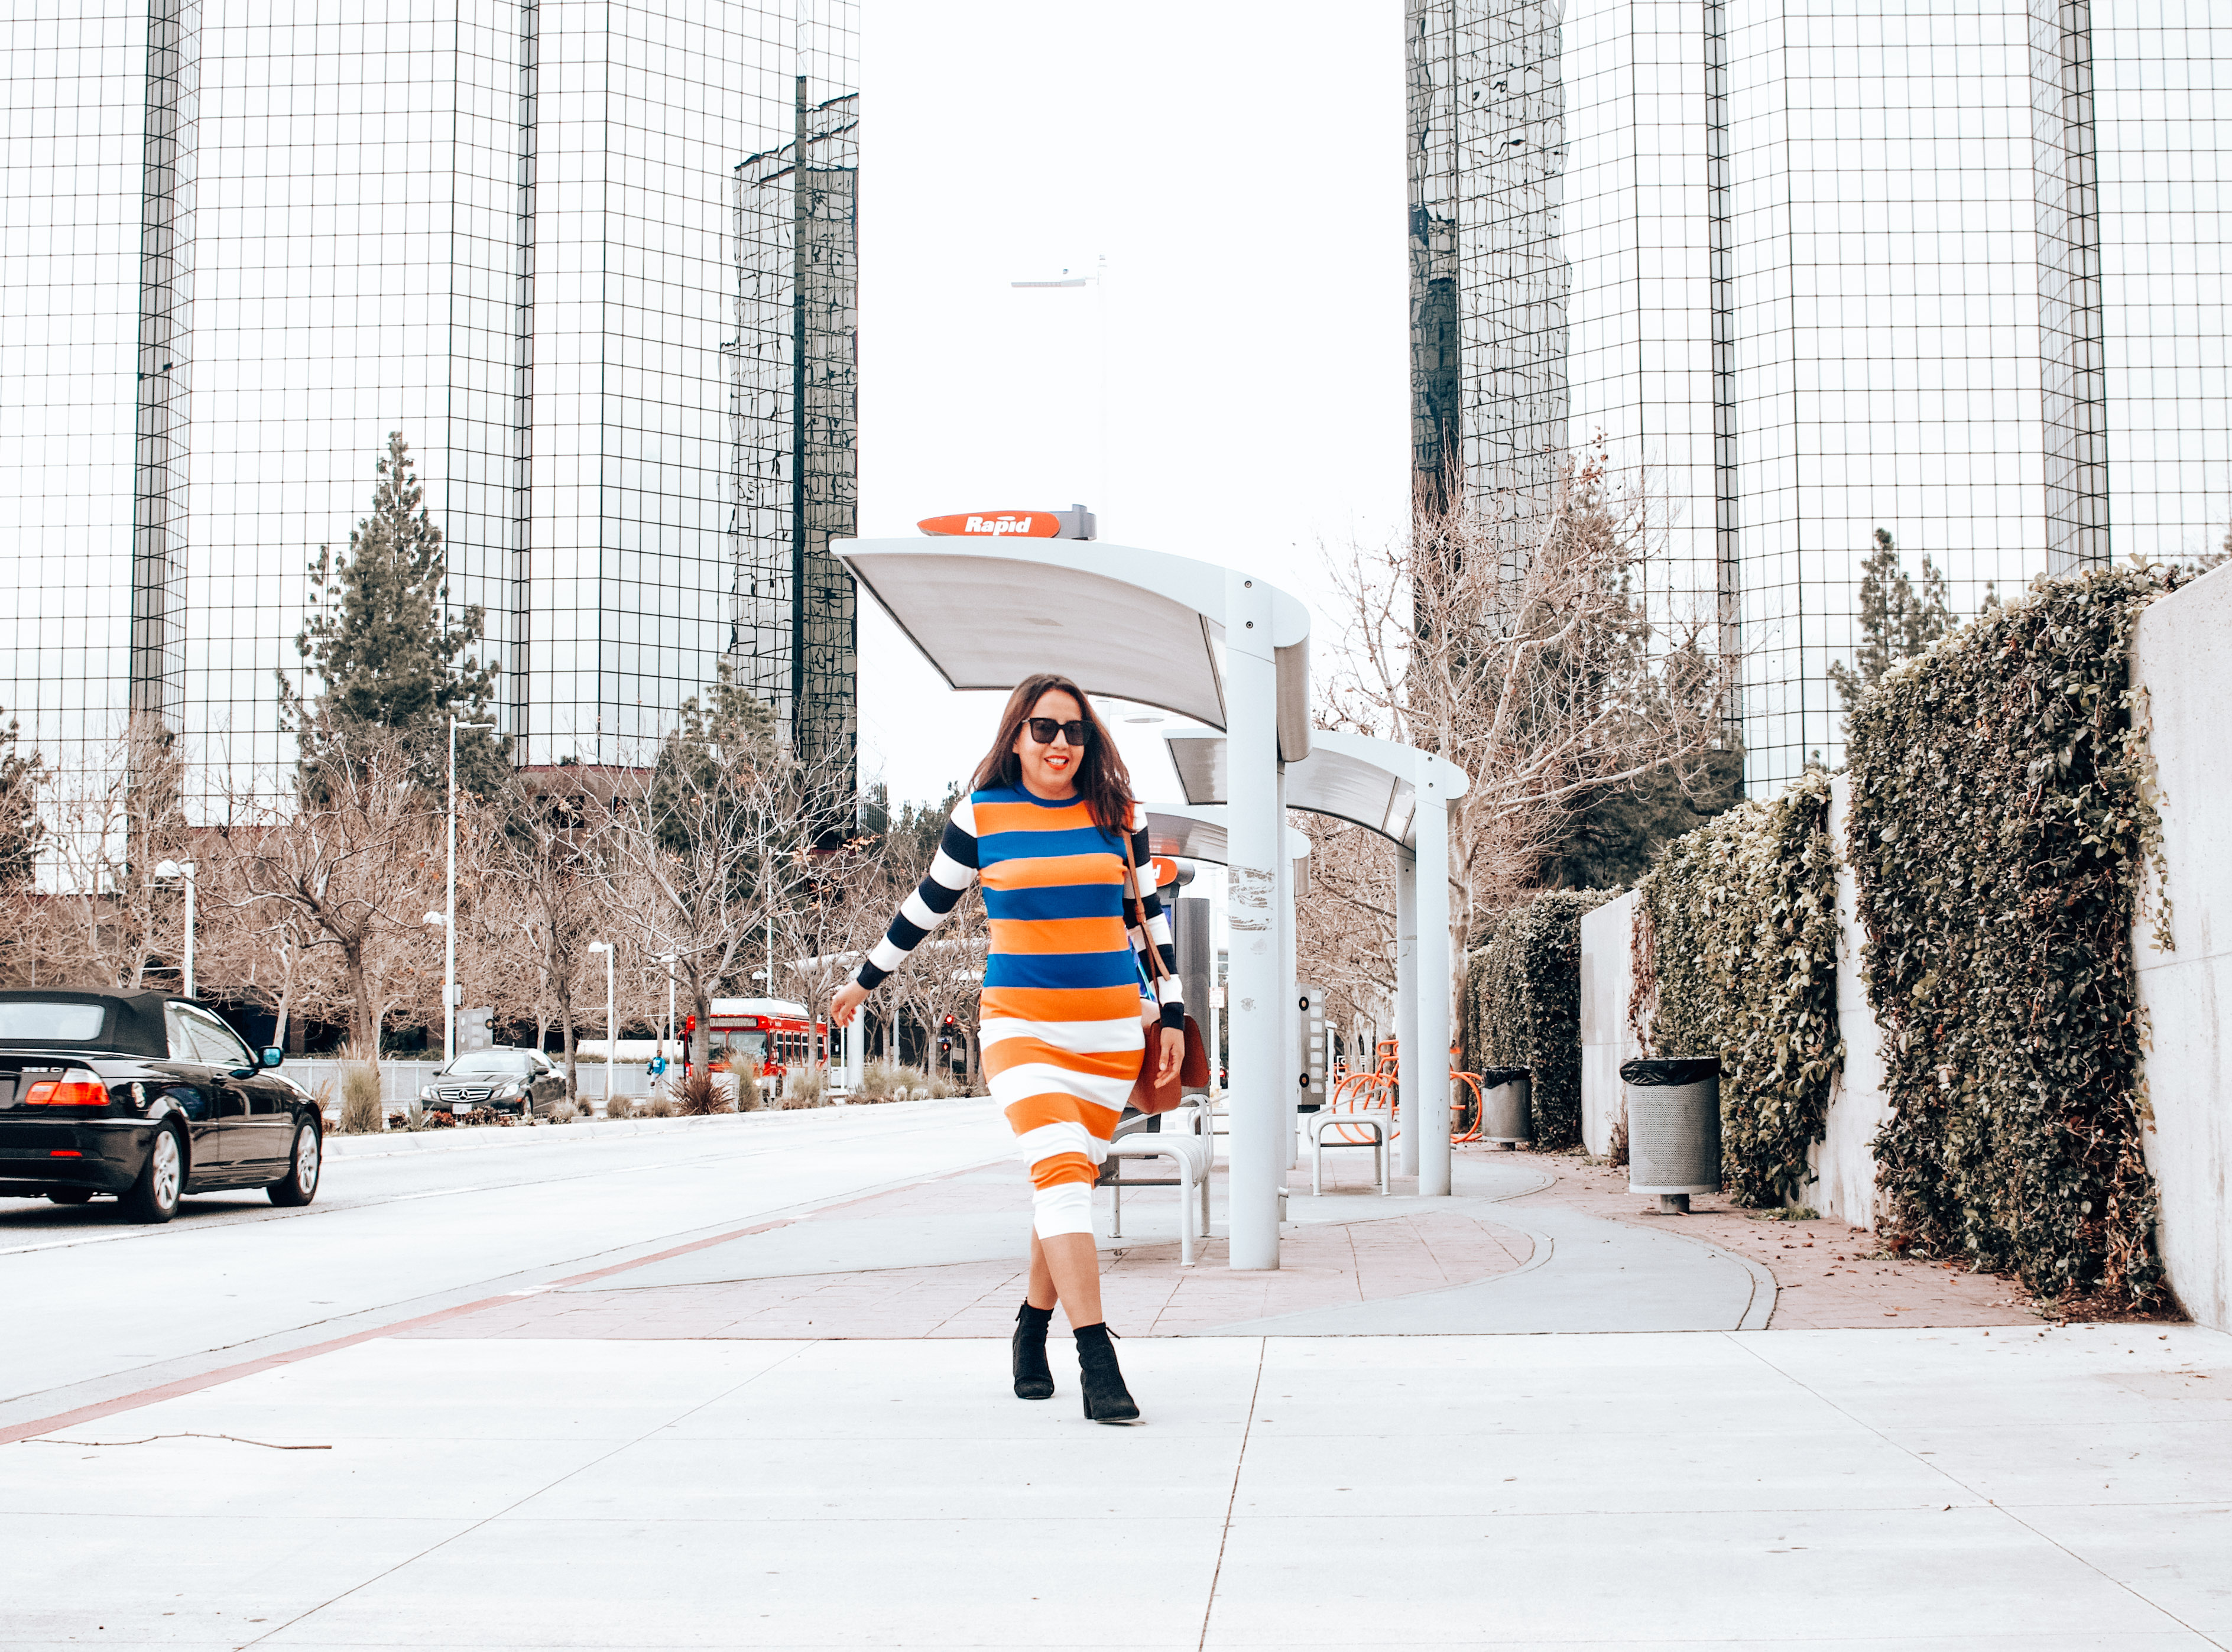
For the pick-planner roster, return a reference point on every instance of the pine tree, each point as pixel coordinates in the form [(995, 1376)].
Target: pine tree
[(389, 652), (1897, 623), (20, 829)]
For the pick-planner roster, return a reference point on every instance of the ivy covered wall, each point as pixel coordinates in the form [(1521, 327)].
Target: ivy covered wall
[(1523, 1005), (2000, 825), (1735, 954)]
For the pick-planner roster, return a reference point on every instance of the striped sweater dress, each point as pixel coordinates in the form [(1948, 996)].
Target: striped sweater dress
[(1059, 1021)]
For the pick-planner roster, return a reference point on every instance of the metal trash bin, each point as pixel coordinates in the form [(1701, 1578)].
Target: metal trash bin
[(1507, 1108), (1673, 1127)]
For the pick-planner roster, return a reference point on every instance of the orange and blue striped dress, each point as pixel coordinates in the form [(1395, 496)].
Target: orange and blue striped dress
[(1060, 1020)]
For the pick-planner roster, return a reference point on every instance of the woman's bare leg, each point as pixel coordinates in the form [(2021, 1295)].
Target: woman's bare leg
[(1067, 1267)]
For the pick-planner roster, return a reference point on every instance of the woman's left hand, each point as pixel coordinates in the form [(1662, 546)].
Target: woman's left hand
[(1173, 1054)]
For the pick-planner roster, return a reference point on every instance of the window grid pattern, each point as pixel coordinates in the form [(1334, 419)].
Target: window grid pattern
[(1948, 268), (72, 205), (501, 227)]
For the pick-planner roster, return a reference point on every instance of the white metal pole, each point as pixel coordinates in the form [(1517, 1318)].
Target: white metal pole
[(1290, 1018), (449, 920), (1253, 832), (670, 1013), (1430, 1118), (189, 968), (611, 1027), (1407, 1003)]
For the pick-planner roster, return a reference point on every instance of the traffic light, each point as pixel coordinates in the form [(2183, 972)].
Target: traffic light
[(950, 1023), (689, 1025)]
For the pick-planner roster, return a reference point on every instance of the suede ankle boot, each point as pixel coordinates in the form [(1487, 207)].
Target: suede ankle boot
[(1033, 1378), (1107, 1399)]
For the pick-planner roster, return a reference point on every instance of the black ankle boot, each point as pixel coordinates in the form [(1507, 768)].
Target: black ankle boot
[(1107, 1399), (1034, 1379)]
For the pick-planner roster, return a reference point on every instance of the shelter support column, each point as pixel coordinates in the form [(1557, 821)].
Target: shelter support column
[(1254, 825), (1427, 1123), (1290, 1021), (1407, 1003)]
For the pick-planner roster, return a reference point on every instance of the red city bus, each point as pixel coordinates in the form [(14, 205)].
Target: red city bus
[(774, 1032)]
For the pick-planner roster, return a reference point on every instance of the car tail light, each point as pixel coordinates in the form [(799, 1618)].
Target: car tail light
[(67, 1093), (65, 1153)]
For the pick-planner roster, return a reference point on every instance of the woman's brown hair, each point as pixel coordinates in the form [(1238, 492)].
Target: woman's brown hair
[(1103, 782)]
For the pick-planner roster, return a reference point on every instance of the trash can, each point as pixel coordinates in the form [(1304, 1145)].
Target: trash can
[(1506, 1112), (1673, 1127)]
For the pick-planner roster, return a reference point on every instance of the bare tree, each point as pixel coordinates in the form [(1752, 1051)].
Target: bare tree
[(1344, 932), (354, 864), (708, 851), (1540, 671), (550, 837), (110, 919)]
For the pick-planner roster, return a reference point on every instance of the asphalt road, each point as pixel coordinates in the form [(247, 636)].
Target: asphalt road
[(96, 1306)]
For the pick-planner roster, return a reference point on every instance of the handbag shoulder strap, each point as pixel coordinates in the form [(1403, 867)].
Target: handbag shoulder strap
[(1131, 893)]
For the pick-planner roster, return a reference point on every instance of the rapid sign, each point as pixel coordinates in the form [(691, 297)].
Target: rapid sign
[(994, 524)]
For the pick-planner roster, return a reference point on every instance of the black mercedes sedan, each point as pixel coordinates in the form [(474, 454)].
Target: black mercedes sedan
[(146, 1096)]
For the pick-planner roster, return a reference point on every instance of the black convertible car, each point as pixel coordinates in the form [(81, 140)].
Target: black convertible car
[(146, 1096)]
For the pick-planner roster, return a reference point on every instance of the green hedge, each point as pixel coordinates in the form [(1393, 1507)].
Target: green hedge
[(2000, 826), (1523, 1005), (1739, 929)]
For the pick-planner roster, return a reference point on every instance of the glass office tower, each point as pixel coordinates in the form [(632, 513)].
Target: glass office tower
[(506, 229), (1807, 269)]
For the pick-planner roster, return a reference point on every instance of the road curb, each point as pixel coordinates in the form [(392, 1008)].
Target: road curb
[(469, 1138)]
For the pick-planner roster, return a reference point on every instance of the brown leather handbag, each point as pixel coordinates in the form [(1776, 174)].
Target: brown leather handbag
[(1147, 1097)]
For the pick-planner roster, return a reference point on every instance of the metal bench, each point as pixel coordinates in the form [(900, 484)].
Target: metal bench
[(1365, 1102), (1184, 1141)]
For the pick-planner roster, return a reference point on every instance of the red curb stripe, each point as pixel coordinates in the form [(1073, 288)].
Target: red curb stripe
[(84, 1414)]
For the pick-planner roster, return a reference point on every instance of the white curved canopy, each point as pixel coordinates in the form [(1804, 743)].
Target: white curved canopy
[(1133, 623), (1352, 777), (1188, 833)]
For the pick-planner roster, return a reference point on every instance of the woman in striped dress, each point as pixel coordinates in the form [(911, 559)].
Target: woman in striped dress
[(1066, 1012)]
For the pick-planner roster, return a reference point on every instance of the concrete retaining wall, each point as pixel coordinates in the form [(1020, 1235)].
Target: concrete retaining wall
[(400, 1080), (1844, 1160), (1605, 976), (2182, 656)]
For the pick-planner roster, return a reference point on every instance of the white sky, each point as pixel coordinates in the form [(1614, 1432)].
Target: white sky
[(1240, 166)]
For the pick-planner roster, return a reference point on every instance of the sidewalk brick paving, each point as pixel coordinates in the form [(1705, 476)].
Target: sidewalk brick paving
[(1829, 1276)]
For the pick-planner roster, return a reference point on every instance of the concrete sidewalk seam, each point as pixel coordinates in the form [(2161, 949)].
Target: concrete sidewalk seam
[(1232, 1501), (472, 1527), (184, 1385)]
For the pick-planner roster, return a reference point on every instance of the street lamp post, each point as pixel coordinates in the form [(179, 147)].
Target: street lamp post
[(611, 1027), (667, 958), (182, 871), (449, 908)]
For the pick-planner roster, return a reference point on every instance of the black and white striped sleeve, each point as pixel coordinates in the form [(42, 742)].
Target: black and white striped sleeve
[(1151, 925), (952, 871)]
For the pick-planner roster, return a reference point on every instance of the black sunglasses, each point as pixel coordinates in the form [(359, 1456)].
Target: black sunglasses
[(1043, 730)]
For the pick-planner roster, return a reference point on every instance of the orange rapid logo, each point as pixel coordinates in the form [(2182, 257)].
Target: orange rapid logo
[(991, 524)]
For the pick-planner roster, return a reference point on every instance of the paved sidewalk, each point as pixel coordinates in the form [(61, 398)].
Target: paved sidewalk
[(797, 1432), (1906, 1491), (1531, 1244)]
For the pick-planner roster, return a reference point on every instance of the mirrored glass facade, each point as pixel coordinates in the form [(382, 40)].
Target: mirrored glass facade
[(1805, 269), (507, 229)]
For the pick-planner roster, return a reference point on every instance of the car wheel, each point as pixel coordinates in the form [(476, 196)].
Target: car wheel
[(299, 1185), (72, 1196), (154, 1196)]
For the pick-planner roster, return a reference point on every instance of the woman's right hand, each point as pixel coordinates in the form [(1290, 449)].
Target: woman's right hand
[(847, 1004)]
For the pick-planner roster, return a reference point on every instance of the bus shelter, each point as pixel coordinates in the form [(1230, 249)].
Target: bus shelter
[(1404, 794), (1227, 649)]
